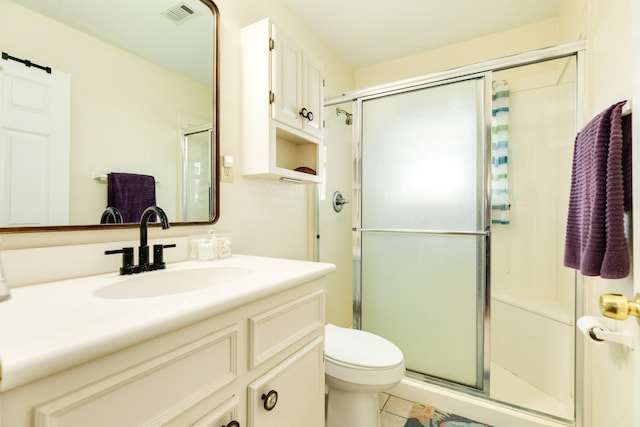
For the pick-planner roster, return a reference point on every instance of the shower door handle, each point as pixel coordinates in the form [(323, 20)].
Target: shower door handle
[(422, 231)]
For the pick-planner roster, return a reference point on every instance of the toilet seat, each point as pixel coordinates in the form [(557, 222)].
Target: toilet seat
[(360, 357), (360, 348)]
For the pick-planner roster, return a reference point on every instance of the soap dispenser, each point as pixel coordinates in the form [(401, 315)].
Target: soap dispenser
[(5, 292)]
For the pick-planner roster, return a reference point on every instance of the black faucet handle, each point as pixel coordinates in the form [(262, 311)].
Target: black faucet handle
[(127, 259), (158, 255)]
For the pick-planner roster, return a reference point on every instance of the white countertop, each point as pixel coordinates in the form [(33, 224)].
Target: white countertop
[(54, 326)]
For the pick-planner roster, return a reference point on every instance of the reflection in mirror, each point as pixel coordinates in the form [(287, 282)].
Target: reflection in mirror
[(197, 144), (132, 89)]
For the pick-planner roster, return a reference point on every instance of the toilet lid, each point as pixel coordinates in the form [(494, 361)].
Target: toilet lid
[(360, 348)]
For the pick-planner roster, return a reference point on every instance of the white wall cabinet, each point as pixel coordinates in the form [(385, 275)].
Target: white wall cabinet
[(211, 373), (282, 96)]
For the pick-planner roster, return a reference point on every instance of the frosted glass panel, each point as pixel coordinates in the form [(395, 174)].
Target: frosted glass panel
[(420, 159), (420, 292)]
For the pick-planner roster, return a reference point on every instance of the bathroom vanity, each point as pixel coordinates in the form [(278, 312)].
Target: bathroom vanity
[(240, 344)]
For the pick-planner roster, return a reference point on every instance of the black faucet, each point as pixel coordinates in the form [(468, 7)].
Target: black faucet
[(143, 250)]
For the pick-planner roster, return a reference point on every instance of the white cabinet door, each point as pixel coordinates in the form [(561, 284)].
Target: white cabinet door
[(297, 85), (312, 98), (286, 79), (298, 384), (182, 382)]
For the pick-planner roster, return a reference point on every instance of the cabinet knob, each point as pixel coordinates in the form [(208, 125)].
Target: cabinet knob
[(270, 400), (233, 424), (306, 114)]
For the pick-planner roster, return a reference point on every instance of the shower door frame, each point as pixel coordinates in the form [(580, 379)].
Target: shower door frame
[(482, 232), (577, 49)]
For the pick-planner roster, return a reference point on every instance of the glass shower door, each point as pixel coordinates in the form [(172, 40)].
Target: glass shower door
[(422, 227)]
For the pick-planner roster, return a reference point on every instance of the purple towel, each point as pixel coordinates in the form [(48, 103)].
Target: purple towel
[(131, 194), (595, 242)]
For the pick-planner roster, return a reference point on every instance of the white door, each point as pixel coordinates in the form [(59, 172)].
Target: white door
[(34, 146)]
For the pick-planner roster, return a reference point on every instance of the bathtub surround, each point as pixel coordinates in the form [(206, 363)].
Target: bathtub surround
[(596, 244)]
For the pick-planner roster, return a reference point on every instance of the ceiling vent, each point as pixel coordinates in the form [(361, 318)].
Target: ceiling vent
[(179, 13)]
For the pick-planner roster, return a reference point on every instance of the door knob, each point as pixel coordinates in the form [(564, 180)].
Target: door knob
[(617, 307)]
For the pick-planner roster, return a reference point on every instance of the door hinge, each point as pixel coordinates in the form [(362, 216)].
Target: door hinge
[(272, 44), (272, 97)]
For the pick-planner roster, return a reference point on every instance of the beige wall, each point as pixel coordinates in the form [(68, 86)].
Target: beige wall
[(522, 39), (569, 26)]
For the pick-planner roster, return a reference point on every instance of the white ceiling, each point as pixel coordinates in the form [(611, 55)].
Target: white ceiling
[(367, 32)]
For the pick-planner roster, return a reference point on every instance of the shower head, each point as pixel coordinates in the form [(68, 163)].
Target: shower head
[(349, 119)]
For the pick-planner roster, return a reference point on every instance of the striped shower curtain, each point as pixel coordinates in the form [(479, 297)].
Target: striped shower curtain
[(499, 157)]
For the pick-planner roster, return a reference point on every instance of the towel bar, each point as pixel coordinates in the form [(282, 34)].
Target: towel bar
[(102, 178)]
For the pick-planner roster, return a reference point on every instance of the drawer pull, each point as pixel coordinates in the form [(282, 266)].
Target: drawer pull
[(233, 424), (270, 400)]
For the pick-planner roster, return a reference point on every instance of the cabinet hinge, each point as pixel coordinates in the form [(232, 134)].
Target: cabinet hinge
[(324, 82), (272, 97), (272, 44)]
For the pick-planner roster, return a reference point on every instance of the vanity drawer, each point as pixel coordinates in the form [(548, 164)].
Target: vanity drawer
[(177, 384), (275, 330)]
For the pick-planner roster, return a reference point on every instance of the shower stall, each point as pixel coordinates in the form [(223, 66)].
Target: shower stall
[(479, 310)]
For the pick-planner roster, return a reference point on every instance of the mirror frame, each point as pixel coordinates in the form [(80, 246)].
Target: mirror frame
[(215, 160)]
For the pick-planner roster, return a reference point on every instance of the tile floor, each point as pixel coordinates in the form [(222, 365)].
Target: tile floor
[(393, 410)]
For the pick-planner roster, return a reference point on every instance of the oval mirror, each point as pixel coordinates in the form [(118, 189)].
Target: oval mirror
[(107, 105)]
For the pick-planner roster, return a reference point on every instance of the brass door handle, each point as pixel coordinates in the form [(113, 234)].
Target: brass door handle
[(617, 307)]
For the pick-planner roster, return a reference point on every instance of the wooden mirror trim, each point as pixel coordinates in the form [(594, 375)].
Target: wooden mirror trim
[(214, 167)]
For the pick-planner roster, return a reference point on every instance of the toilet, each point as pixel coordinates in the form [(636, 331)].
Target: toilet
[(358, 365)]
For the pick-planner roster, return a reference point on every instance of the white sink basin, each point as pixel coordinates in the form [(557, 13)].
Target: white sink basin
[(159, 283)]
